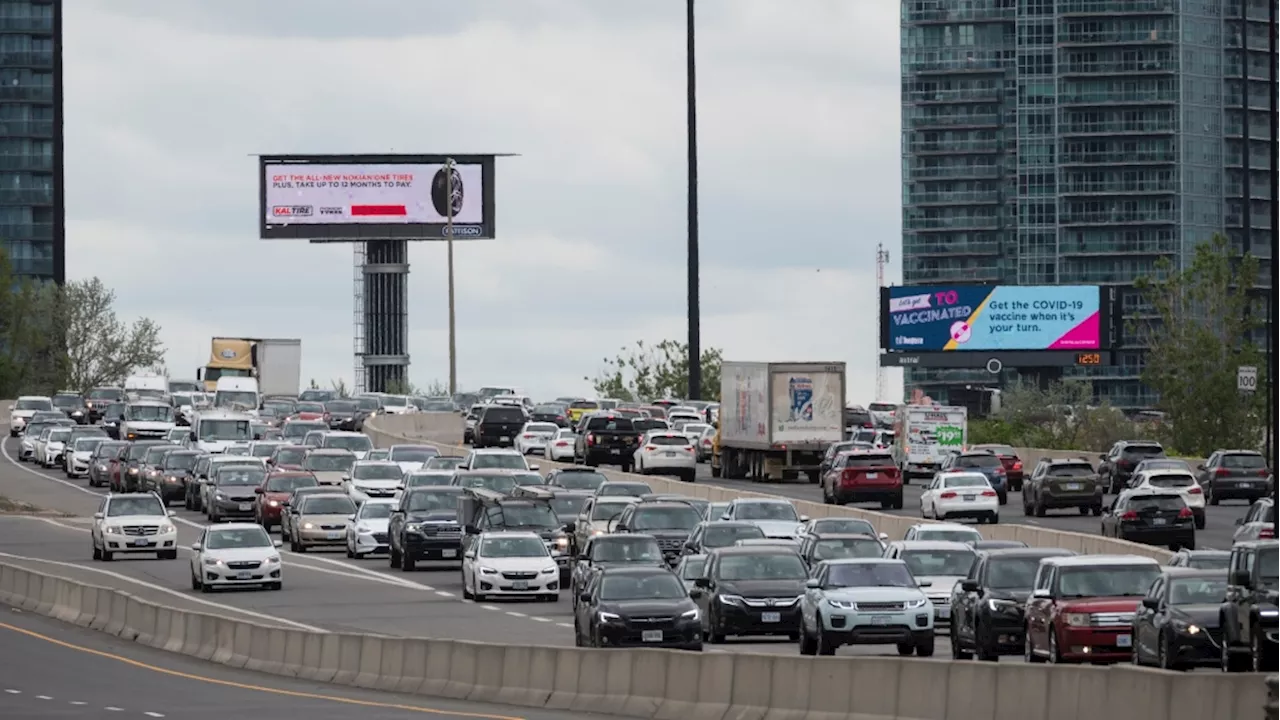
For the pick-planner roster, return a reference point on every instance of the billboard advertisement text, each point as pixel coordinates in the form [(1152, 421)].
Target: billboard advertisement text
[(939, 318)]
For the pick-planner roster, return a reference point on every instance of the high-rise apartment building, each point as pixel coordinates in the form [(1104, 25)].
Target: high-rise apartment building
[(31, 196), (1080, 141)]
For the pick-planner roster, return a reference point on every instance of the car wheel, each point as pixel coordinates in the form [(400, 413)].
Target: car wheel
[(957, 652), (925, 648), (97, 554), (108, 556), (350, 553), (407, 563), (1028, 654), (466, 591), (167, 555), (905, 648), (1055, 656), (1262, 660), (1201, 521), (395, 557)]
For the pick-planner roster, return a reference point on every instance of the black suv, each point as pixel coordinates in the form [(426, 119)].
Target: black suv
[(1234, 475), (669, 522), (604, 438), (1151, 517), (424, 527), (987, 607), (98, 400), (1118, 463), (1249, 614), (610, 551), (498, 426), (1064, 483)]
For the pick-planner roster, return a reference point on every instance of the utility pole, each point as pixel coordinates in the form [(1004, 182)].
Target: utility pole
[(453, 316), (882, 259), (691, 102)]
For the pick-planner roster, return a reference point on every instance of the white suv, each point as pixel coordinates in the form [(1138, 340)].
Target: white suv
[(22, 410), (133, 523), (509, 564)]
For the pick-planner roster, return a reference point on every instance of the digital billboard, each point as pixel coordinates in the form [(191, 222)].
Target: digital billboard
[(366, 197), (945, 318)]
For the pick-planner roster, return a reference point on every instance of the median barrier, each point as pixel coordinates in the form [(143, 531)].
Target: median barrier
[(443, 429)]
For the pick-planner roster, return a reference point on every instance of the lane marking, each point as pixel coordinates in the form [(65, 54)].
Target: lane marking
[(444, 593), (513, 613), (568, 625), (257, 688), (43, 697), (79, 488), (14, 692), (491, 607), (170, 591), (539, 618), (112, 708), (77, 702), (153, 714)]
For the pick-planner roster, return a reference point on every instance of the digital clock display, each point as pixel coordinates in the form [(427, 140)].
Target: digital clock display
[(1089, 358)]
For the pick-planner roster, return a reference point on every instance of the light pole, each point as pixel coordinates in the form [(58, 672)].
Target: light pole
[(691, 122), (448, 237)]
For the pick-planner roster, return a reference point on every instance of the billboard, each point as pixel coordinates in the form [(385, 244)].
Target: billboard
[(946, 318), (365, 197)]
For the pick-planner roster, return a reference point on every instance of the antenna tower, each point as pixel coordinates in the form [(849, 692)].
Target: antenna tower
[(882, 258)]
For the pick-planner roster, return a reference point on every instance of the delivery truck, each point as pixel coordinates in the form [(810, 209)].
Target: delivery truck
[(924, 435), (276, 363), (776, 420)]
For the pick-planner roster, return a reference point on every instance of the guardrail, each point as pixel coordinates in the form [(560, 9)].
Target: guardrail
[(445, 430), (644, 683)]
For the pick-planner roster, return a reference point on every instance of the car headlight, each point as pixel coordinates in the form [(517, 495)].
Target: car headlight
[(1078, 619), (731, 599), (916, 604), (115, 530), (596, 531), (212, 561), (273, 503), (999, 606), (844, 604), (690, 614), (217, 495), (1186, 627), (133, 471), (308, 526), (609, 617), (102, 468), (362, 528), (562, 542), (166, 529), (488, 571), (550, 570), (273, 560), (413, 527)]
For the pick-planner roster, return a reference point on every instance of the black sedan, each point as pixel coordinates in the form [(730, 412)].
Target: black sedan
[(1176, 626), (637, 607)]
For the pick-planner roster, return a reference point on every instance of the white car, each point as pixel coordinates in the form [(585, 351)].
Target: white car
[(235, 555), (509, 564), (882, 414), (945, 532), (534, 437), (777, 518), (1181, 481), (179, 435), (373, 480), (665, 452), (52, 446), (496, 459), (367, 529), (76, 459), (264, 448), (560, 446), (691, 416), (937, 566), (397, 405), (22, 410), (426, 478), (131, 523), (412, 457), (357, 443), (960, 495)]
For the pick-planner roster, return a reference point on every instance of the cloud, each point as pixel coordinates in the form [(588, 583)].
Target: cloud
[(798, 164)]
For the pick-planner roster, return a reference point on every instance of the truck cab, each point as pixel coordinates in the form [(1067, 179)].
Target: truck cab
[(237, 394), (146, 420), (213, 431), (146, 387)]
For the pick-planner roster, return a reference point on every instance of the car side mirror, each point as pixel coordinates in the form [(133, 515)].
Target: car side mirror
[(1239, 521), (702, 582), (471, 530), (695, 593), (1102, 457), (812, 584), (1150, 603), (351, 518), (584, 597), (1241, 578), (98, 516), (884, 537), (804, 518), (571, 527), (970, 586), (925, 583), (1041, 593), (533, 467), (346, 477), (195, 547), (258, 491)]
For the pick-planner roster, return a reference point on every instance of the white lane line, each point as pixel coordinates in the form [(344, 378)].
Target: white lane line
[(77, 702), (444, 593), (365, 572), (491, 607), (113, 708), (80, 488), (153, 714), (168, 591), (513, 613), (568, 625), (43, 697), (536, 618), (13, 692)]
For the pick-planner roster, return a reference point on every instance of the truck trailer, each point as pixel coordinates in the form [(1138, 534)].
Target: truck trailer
[(276, 363), (776, 420), (924, 435)]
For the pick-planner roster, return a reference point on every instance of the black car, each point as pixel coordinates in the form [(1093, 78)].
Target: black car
[(424, 527), (111, 416), (1177, 625), (611, 551), (342, 414), (751, 591), (637, 607), (73, 405), (234, 492), (133, 462), (175, 473), (1201, 559), (987, 606), (1234, 475), (550, 412), (577, 477), (712, 534), (1251, 616), (669, 522), (99, 398), (1152, 518), (1118, 463), (498, 426), (605, 438), (1062, 483)]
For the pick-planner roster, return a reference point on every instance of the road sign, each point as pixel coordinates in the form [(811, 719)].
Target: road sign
[(1247, 378)]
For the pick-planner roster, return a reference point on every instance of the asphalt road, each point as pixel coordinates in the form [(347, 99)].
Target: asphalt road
[(50, 669), (323, 590)]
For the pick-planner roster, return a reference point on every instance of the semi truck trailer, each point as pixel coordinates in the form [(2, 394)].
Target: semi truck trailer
[(276, 363)]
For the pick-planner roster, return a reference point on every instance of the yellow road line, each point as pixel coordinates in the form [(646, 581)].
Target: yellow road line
[(257, 688)]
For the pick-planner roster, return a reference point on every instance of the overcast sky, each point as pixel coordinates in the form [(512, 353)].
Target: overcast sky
[(168, 101)]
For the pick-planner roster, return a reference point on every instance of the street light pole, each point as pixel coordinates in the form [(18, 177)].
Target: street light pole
[(695, 319), (453, 320)]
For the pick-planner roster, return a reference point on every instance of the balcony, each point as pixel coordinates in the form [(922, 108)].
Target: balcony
[(26, 231), (931, 62), (1136, 96), (38, 94), (1117, 128), (972, 15), (26, 128), (1126, 36), (942, 121), (1092, 248), (26, 161), (1118, 217), (969, 274), (954, 147), (1257, 190), (27, 24), (929, 248), (1085, 189), (26, 197), (1141, 157), (1068, 8), (988, 96), (1119, 67), (965, 222), (947, 198), (26, 59), (955, 172)]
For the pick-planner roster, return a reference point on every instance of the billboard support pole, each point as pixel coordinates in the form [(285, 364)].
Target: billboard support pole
[(453, 318)]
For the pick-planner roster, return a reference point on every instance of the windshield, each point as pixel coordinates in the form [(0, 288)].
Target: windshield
[(289, 483), (842, 526), (413, 454), (663, 586), (428, 479), (109, 449), (512, 547), (626, 489), (376, 472), (1267, 567), (608, 510), (235, 399), (59, 435), (289, 456), (978, 461), (1166, 464), (34, 404), (1071, 471), (948, 535), (496, 483), (766, 511), (842, 575), (262, 450), (772, 566), (122, 506), (239, 476), (545, 428), (719, 536), (567, 506), (580, 480), (375, 511), (498, 461), (148, 413), (926, 563), (106, 394), (693, 567), (137, 451), (1014, 573), (237, 538), (621, 549), (68, 402), (297, 430), (643, 424), (1244, 461), (1154, 503), (1107, 581), (429, 501), (1171, 481), (442, 462), (847, 548), (502, 414), (180, 461), (665, 518), (680, 441), (309, 407), (328, 505), (534, 516), (329, 463), (354, 443), (341, 407), (1143, 450), (88, 444), (181, 399), (154, 456), (966, 481), (1197, 591), (213, 430)]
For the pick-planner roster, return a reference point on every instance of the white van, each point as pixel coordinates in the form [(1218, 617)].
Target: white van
[(146, 420), (212, 431), (237, 393), (147, 387)]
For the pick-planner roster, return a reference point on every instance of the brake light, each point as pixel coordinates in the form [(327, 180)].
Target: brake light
[(1017, 464), (1195, 490), (1000, 471), (947, 495), (591, 438), (988, 493), (1123, 463), (562, 443), (688, 448), (528, 436), (1185, 512), (1266, 532), (1264, 472), (1131, 515), (650, 448), (1221, 472)]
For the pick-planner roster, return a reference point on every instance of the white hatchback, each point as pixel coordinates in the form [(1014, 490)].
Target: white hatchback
[(367, 529), (235, 555), (1178, 480), (560, 446), (954, 495), (534, 437), (509, 564), (665, 452)]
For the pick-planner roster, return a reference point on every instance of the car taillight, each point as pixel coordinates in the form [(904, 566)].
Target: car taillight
[(650, 448), (988, 493), (1195, 490), (947, 495), (999, 471), (1221, 472), (1185, 512), (1267, 532), (562, 443), (1123, 463), (591, 438), (1131, 515), (528, 436), (1017, 464), (688, 448), (1264, 472)]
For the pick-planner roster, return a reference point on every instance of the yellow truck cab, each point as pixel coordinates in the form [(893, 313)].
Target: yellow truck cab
[(230, 357), (578, 408)]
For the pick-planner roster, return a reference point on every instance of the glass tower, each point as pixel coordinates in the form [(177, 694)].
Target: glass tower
[(31, 218), (1078, 142)]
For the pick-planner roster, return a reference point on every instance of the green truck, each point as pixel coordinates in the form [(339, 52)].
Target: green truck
[(925, 435)]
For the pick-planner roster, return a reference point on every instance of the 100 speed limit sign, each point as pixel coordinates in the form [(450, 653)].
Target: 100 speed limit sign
[(1246, 378)]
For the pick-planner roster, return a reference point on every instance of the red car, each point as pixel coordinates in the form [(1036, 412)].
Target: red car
[(1011, 462), (861, 476), (274, 491), (310, 411), (287, 457), (1082, 606)]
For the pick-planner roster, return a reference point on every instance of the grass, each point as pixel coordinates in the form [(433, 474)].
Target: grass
[(17, 507)]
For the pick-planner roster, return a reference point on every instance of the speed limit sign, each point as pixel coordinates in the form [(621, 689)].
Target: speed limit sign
[(1247, 378)]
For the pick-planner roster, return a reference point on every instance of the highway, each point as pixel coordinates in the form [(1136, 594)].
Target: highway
[(50, 669)]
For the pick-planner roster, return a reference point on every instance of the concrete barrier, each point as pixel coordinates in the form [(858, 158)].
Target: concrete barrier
[(444, 430), (658, 684)]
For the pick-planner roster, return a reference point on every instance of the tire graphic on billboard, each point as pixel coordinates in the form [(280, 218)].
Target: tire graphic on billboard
[(447, 203)]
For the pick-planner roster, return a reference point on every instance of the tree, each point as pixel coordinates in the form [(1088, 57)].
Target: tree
[(339, 386), (102, 350), (1060, 415), (32, 357), (435, 388), (650, 372), (1204, 318)]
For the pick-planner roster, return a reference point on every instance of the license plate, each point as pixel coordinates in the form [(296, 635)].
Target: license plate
[(504, 438), (243, 575), (1159, 521), (872, 476), (246, 507), (669, 454), (334, 535), (1243, 485), (448, 553), (880, 619), (141, 543), (616, 451), (969, 498), (651, 636), (1124, 641), (1071, 486), (771, 617), (943, 611), (520, 585)]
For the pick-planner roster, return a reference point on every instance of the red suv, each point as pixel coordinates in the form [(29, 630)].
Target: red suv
[(1081, 608), (1010, 460), (862, 476), (274, 492)]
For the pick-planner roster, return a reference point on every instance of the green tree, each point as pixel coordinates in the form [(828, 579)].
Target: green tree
[(400, 387), (339, 386), (1203, 320), (435, 388), (101, 349), (650, 372), (32, 358), (1060, 415)]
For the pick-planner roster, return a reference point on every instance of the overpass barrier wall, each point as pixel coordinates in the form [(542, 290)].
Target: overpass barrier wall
[(643, 683), (444, 430)]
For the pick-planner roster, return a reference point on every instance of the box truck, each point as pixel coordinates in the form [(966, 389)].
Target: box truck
[(925, 435), (776, 420), (276, 363)]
